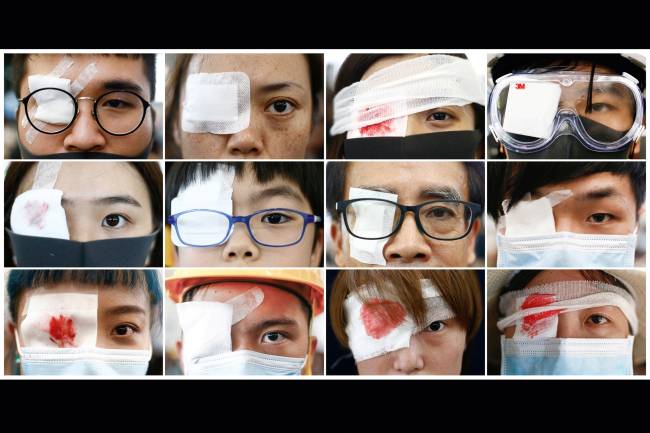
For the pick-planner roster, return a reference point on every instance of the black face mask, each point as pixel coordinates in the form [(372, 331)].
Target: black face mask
[(435, 145), (35, 251), (569, 147), (26, 154)]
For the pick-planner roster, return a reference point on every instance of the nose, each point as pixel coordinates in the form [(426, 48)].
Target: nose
[(246, 144), (240, 246), (408, 244), (84, 135), (408, 360)]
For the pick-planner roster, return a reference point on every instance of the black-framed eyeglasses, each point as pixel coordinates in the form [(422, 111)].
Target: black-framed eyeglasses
[(51, 110), (372, 219)]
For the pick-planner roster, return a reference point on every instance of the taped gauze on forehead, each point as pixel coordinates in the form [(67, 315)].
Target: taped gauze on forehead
[(60, 320), (206, 325), (534, 310), (377, 325)]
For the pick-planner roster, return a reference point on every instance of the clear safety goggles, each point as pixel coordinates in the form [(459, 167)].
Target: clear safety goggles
[(528, 111)]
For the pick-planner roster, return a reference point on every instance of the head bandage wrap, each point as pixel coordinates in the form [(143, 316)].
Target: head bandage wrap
[(55, 108), (217, 103), (534, 310), (213, 193), (405, 88), (38, 212), (376, 326), (207, 325)]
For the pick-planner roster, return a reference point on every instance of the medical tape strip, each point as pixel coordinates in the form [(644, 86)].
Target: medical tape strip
[(532, 217), (371, 220), (408, 87), (60, 320), (206, 325), (213, 193), (524, 308), (61, 68), (38, 211), (377, 325), (215, 103)]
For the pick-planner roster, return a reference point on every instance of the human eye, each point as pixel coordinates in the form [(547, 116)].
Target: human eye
[(600, 218), (114, 221), (281, 107), (273, 337), (276, 218), (124, 330), (436, 326)]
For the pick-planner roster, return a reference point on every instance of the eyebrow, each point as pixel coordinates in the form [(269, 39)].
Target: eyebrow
[(105, 201), (122, 85), (598, 194), (261, 326), (126, 309), (274, 87), (275, 191)]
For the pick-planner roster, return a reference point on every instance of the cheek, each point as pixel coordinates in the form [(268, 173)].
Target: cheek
[(446, 357), (202, 145), (378, 365), (198, 256), (290, 140)]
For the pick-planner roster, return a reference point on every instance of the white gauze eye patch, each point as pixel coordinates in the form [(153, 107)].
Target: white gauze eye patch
[(370, 220), (533, 217), (218, 103), (531, 108), (60, 320), (206, 325), (38, 212), (534, 311), (378, 325), (405, 88), (213, 193)]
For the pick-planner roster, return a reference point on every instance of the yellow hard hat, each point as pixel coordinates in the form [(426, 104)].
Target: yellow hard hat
[(305, 283)]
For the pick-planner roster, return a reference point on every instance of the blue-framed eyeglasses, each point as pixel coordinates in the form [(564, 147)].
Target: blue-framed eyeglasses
[(277, 227)]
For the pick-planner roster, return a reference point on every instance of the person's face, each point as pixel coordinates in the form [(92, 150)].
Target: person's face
[(280, 109), (414, 183), (102, 200), (601, 203), (278, 326), (612, 109), (436, 350), (249, 196), (449, 118), (598, 322), (85, 134), (123, 314)]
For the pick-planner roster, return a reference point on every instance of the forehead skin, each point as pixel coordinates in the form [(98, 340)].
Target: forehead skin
[(407, 178), (109, 68)]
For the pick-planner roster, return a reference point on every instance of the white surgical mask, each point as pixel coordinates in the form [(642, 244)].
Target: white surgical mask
[(246, 362)]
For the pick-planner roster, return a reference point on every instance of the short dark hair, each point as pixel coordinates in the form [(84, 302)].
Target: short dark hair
[(20, 280), (513, 63), (351, 71), (337, 172), (189, 296), (19, 65), (308, 176), (513, 180)]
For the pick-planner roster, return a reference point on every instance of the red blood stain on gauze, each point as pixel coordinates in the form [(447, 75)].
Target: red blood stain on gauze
[(535, 323), (380, 317), (378, 129), (62, 331)]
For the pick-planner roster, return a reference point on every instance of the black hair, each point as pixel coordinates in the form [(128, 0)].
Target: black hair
[(20, 280), (513, 63), (352, 70), (337, 172), (513, 180)]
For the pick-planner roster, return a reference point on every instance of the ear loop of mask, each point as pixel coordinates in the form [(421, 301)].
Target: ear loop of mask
[(534, 311), (213, 193), (379, 325), (38, 211), (76, 87), (371, 220), (207, 325)]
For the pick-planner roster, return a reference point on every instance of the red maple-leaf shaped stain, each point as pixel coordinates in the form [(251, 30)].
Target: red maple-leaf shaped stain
[(36, 211), (62, 331), (532, 325), (380, 317), (377, 129)]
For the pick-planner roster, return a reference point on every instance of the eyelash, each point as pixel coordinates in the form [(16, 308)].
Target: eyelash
[(123, 221), (607, 319), (134, 329), (608, 215), (449, 115), (440, 322), (281, 334), (293, 107)]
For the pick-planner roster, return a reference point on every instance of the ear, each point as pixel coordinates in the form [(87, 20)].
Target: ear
[(317, 252), (639, 214), (636, 149), (337, 239), (471, 245), (311, 350), (502, 150), (179, 352)]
